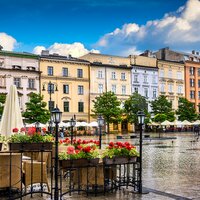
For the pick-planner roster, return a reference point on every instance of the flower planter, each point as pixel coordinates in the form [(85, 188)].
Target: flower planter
[(117, 160), (82, 162), (31, 146)]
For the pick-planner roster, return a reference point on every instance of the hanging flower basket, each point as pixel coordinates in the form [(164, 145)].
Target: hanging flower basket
[(81, 162), (119, 160), (41, 146)]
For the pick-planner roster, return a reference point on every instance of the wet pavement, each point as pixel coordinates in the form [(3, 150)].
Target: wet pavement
[(171, 169)]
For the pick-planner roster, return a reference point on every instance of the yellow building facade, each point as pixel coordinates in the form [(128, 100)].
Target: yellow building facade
[(70, 77), (110, 73), (171, 81)]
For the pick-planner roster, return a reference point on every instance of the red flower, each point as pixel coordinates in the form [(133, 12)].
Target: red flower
[(87, 149), (111, 144), (15, 130), (22, 129), (44, 129), (128, 147)]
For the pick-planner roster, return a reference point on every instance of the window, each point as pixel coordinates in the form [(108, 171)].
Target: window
[(198, 94), (154, 93), (50, 71), (123, 89), (154, 80), (100, 88), (192, 95), (51, 105), (162, 87), (136, 89), (180, 88), (145, 78), (79, 73), (17, 82), (191, 70), (114, 89), (50, 88), (146, 92), (115, 126), (123, 76), (65, 71), (198, 83), (179, 75), (66, 106), (80, 107), (31, 83), (161, 72), (113, 75), (135, 78), (66, 89), (170, 73), (80, 89), (198, 71), (100, 74), (191, 82), (170, 87)]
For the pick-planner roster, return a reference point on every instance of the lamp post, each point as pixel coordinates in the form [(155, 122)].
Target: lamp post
[(100, 121), (72, 124), (50, 89), (56, 115), (37, 126), (141, 117)]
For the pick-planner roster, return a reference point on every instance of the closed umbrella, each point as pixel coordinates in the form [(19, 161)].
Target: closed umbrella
[(11, 117)]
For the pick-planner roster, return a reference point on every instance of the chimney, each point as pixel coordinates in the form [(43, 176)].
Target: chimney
[(193, 51), (197, 53), (45, 53)]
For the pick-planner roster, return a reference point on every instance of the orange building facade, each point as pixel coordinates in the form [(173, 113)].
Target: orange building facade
[(192, 83)]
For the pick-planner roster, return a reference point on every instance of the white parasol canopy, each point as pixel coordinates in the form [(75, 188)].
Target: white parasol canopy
[(166, 123), (12, 117), (33, 125), (93, 124), (186, 123), (197, 122)]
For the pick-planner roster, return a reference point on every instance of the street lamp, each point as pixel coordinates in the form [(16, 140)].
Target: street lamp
[(50, 89), (141, 117), (72, 124), (100, 121), (56, 116), (37, 126)]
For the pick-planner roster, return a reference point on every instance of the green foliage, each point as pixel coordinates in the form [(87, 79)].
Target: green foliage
[(135, 103), (2, 101), (160, 118), (108, 106), (2, 138), (36, 109), (186, 110), (36, 137), (161, 105)]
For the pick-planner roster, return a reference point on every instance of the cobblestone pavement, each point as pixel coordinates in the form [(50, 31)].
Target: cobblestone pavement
[(171, 170)]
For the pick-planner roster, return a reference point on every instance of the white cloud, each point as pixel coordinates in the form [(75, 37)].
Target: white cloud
[(75, 49), (7, 42), (179, 30)]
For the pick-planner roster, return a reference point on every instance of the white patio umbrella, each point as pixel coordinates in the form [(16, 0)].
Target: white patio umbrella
[(12, 117), (166, 123), (197, 122), (33, 125), (186, 123), (93, 124), (84, 124), (177, 123)]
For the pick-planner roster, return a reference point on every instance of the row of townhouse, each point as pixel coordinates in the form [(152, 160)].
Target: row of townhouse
[(75, 82)]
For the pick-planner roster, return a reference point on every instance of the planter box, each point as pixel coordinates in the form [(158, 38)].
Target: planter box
[(31, 146), (82, 162), (117, 160)]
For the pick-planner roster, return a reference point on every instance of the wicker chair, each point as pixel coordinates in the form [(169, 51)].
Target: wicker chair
[(35, 171)]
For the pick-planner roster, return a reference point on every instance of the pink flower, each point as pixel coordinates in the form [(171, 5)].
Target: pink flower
[(15, 130), (70, 150)]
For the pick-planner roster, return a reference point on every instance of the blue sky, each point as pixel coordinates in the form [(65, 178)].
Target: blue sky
[(108, 26)]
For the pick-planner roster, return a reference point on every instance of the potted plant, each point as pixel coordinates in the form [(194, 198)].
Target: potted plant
[(30, 141), (2, 140), (81, 153), (120, 153)]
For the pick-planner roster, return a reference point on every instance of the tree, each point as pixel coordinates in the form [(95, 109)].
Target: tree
[(108, 106), (133, 104), (36, 109), (186, 110), (2, 102)]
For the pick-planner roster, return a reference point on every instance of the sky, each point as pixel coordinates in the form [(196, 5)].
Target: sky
[(113, 27)]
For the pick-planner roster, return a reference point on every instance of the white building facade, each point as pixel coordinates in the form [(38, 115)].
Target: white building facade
[(22, 70)]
